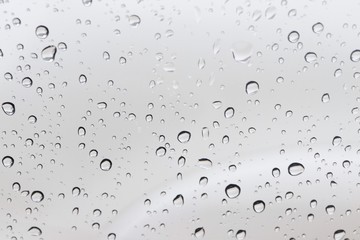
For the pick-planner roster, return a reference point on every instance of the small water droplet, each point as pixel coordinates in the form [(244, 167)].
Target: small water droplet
[(87, 3), (8, 108), (134, 20), (293, 36), (105, 164), (48, 53), (82, 79), (355, 55), (42, 31), (259, 206), (318, 27), (111, 236), (102, 105), (184, 136), (232, 190), (37, 196), (8, 161), (336, 141), (296, 169), (310, 57), (178, 200), (251, 87), (325, 98), (276, 172), (229, 112)]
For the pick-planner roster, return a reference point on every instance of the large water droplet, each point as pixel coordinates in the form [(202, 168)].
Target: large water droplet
[(355, 55), (330, 209), (240, 235), (296, 169), (178, 200), (232, 190), (35, 231), (160, 151), (8, 161), (48, 53), (229, 112), (184, 136), (205, 163), (37, 196), (27, 82), (336, 141), (8, 108), (310, 57), (241, 51), (339, 234), (259, 206), (293, 36), (318, 27), (251, 87), (105, 164), (134, 20), (42, 32), (199, 232), (111, 236)]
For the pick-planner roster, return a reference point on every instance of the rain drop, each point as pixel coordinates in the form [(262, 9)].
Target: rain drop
[(8, 108), (42, 32), (296, 169), (251, 87), (105, 164), (184, 136), (232, 191), (259, 206), (48, 53)]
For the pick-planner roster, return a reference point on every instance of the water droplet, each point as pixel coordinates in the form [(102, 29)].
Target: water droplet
[(296, 169), (160, 152), (35, 231), (201, 63), (241, 51), (184, 136), (318, 27), (8, 161), (111, 236), (27, 82), (178, 200), (270, 12), (199, 232), (339, 234), (229, 112), (134, 20), (293, 36), (8, 108), (32, 119), (42, 31), (82, 79), (259, 206), (37, 196), (240, 235), (330, 209), (325, 98), (205, 163), (48, 53), (276, 172), (102, 105), (105, 164), (87, 3), (232, 191), (251, 87), (336, 141), (355, 55), (310, 57)]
